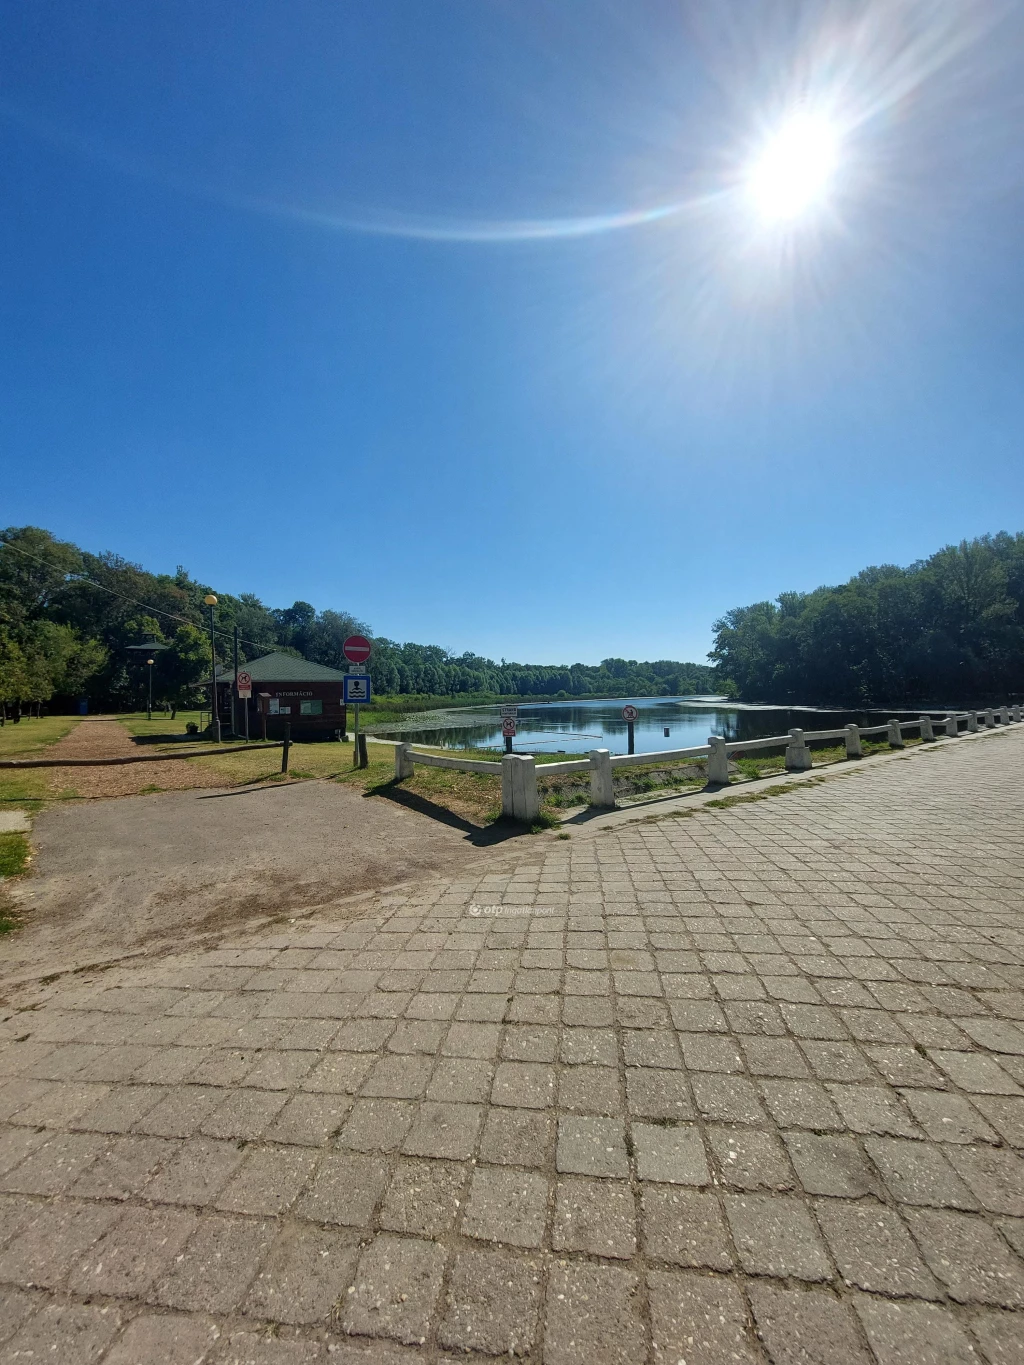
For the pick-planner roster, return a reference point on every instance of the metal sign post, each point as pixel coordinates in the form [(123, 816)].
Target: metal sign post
[(356, 689), (509, 716), (356, 650), (629, 715), (243, 686), (210, 601), (235, 698)]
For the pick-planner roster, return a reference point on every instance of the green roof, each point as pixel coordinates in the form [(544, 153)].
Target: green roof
[(276, 668)]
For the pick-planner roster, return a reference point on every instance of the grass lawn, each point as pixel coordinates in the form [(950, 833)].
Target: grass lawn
[(476, 797), (14, 859), (767, 765), (29, 790), (14, 854), (24, 739), (473, 796)]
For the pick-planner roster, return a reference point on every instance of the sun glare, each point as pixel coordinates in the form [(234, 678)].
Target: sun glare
[(794, 169)]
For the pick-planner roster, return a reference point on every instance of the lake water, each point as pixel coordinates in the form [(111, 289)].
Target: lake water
[(577, 727)]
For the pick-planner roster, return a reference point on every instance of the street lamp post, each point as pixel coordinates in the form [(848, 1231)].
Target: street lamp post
[(149, 707), (211, 602)]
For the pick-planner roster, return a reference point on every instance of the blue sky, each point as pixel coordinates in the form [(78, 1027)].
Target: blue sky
[(459, 315)]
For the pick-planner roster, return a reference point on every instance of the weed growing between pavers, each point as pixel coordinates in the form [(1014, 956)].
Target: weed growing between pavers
[(740, 799)]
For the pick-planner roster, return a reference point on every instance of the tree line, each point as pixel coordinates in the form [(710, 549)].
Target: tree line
[(68, 617), (948, 629)]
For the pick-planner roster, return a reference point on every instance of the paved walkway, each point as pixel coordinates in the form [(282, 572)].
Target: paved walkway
[(747, 1086)]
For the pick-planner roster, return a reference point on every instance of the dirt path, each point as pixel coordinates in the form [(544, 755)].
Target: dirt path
[(100, 737), (112, 877)]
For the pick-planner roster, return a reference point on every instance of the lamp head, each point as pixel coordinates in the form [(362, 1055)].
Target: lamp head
[(210, 600), (149, 661)]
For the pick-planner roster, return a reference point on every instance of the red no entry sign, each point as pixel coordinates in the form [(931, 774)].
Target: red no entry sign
[(245, 680), (629, 713), (356, 649), (508, 726)]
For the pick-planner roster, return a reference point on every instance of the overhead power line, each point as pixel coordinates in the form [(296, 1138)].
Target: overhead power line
[(92, 582)]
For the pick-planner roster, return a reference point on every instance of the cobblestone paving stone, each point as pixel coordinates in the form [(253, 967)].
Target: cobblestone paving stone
[(742, 1087)]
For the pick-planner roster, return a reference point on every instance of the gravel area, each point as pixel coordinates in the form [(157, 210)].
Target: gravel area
[(144, 872)]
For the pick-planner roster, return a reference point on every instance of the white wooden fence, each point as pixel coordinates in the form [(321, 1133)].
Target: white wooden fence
[(520, 798)]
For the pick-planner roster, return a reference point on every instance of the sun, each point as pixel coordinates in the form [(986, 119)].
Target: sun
[(793, 172)]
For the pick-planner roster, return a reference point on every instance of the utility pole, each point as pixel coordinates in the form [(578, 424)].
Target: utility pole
[(211, 602), (234, 691)]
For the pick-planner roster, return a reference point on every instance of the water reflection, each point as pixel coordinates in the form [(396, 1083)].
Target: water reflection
[(577, 727)]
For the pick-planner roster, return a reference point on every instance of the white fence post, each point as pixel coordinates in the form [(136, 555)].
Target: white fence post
[(952, 726), (1004, 715), (519, 796), (990, 720), (895, 735), (972, 722), (718, 762), (602, 785), (528, 793), (798, 756), (403, 761), (853, 744), (507, 803), (1015, 712), (926, 727)]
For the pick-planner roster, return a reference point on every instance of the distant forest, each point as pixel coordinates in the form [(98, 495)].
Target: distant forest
[(948, 629), (67, 618)]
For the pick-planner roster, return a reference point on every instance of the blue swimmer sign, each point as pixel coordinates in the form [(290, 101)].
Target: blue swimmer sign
[(356, 687)]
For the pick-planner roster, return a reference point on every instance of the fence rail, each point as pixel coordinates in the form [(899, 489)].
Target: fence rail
[(122, 759), (520, 797)]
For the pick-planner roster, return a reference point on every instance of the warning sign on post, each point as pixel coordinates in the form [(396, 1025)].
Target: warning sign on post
[(244, 684)]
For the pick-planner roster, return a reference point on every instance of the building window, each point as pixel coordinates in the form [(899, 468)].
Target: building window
[(311, 708)]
